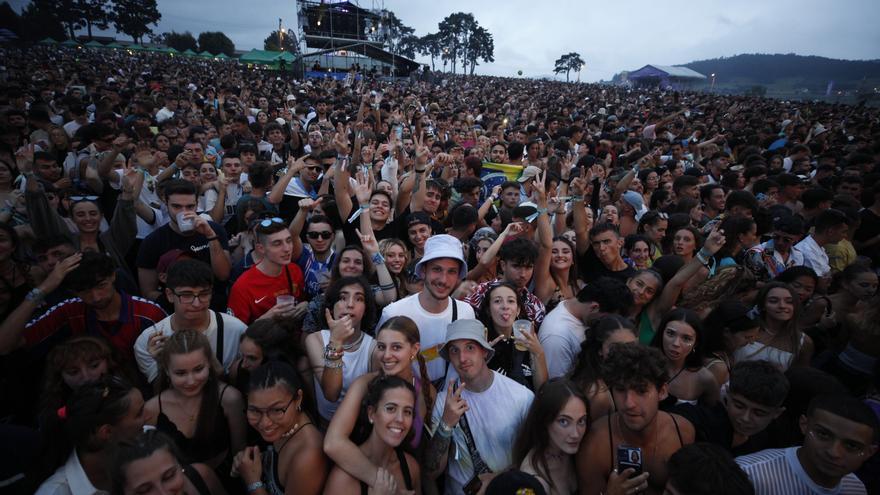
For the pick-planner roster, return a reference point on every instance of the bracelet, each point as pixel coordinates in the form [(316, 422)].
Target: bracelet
[(332, 353), (388, 287), (420, 171), (35, 295), (704, 253), (341, 157), (443, 430), (378, 259), (576, 198), (209, 239), (255, 486), (365, 207), (333, 365)]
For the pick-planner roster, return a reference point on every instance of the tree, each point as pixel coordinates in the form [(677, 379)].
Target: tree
[(216, 43), (569, 62), (39, 21), (429, 45), (393, 31), (181, 41), (67, 12), (95, 14), (288, 42), (480, 46), (133, 17), (409, 45)]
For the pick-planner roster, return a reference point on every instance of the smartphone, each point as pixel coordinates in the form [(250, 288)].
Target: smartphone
[(629, 457)]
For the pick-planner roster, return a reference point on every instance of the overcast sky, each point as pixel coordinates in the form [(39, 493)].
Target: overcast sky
[(610, 35)]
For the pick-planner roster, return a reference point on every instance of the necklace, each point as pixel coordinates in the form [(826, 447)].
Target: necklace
[(353, 345), (192, 416), (675, 376), (291, 433), (768, 332)]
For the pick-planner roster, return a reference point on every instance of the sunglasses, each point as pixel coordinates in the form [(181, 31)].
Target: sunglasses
[(77, 199), (323, 235), (269, 221)]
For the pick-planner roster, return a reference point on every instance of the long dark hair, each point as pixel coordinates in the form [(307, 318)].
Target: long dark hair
[(728, 318), (485, 311), (792, 330), (694, 359), (588, 367), (408, 328), (73, 426), (185, 342), (573, 272), (532, 436), (334, 292), (369, 270), (377, 388)]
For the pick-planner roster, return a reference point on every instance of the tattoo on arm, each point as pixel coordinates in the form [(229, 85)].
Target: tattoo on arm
[(436, 456)]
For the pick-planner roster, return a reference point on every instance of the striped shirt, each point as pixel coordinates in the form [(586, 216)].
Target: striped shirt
[(779, 472)]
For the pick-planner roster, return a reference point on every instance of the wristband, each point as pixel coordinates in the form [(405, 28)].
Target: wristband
[(365, 206), (577, 198), (420, 171), (35, 295), (378, 259), (255, 486), (209, 239), (443, 430), (341, 157), (333, 365)]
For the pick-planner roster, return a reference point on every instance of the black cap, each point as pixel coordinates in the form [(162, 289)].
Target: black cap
[(417, 218), (696, 172), (514, 482)]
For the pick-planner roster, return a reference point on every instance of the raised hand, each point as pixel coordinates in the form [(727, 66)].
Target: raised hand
[(340, 141), (715, 241), (364, 188), (341, 329), (455, 406), (309, 204)]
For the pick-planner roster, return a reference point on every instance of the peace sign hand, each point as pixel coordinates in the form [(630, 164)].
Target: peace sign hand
[(455, 406), (368, 242), (340, 330)]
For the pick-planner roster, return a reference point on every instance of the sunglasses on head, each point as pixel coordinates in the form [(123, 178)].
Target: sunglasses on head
[(323, 235), (77, 199), (267, 222)]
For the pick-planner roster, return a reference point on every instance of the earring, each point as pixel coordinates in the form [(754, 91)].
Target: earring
[(412, 358), (371, 421)]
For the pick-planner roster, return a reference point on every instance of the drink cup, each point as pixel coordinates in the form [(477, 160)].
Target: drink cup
[(285, 299), (185, 224), (520, 326)]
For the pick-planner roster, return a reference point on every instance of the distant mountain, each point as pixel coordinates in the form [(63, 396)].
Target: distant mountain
[(789, 71)]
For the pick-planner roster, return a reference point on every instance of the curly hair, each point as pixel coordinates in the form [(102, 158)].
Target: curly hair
[(631, 366)]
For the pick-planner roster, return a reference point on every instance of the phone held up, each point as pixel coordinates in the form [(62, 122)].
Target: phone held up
[(629, 457)]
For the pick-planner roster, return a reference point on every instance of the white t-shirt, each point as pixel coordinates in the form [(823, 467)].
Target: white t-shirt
[(494, 417), (354, 364), (815, 256), (432, 328), (561, 335), (779, 472), (69, 479), (233, 194), (233, 328)]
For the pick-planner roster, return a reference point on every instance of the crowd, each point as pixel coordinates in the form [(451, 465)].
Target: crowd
[(219, 279)]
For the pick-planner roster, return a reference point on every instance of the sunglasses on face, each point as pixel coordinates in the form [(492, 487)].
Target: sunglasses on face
[(323, 235)]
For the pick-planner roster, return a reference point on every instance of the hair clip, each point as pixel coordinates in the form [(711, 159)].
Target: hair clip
[(62, 412), (105, 393)]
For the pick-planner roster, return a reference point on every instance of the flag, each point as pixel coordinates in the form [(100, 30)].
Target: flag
[(495, 174)]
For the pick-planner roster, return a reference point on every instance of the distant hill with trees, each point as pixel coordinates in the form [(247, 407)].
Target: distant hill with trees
[(789, 72)]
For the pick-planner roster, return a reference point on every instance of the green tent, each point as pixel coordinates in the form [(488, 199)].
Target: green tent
[(94, 44), (223, 56), (114, 45), (206, 54), (48, 41), (138, 48), (188, 52), (270, 59), (70, 43)]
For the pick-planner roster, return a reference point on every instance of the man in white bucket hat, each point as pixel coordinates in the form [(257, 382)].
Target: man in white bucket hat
[(442, 268)]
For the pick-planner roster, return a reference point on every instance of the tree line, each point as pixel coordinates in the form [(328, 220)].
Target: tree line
[(61, 19)]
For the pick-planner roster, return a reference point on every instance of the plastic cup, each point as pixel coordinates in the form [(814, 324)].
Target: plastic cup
[(520, 326), (185, 224), (285, 299)]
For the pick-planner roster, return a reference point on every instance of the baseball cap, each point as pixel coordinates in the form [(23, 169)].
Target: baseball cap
[(530, 172), (418, 217), (635, 200)]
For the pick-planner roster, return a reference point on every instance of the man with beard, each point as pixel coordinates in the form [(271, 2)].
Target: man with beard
[(98, 309), (432, 309)]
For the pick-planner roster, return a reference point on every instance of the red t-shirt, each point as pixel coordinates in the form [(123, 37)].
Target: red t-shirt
[(254, 293)]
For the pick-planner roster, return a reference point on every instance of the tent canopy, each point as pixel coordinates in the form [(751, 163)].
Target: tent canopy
[(70, 43), (47, 41), (94, 44), (189, 52), (206, 54)]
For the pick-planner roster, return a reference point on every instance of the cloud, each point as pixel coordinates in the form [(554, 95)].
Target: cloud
[(610, 36)]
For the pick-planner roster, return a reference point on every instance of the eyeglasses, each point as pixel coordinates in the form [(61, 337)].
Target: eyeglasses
[(826, 437), (189, 297), (323, 235), (77, 199), (269, 221), (275, 414)]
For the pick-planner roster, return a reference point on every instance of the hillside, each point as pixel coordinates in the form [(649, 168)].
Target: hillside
[(789, 72)]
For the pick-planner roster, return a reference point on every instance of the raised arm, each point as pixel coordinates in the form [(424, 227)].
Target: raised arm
[(388, 289), (337, 444), (666, 300), (306, 206), (580, 221), (293, 167)]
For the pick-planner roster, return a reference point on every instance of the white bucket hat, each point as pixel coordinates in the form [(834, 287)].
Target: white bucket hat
[(442, 246)]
